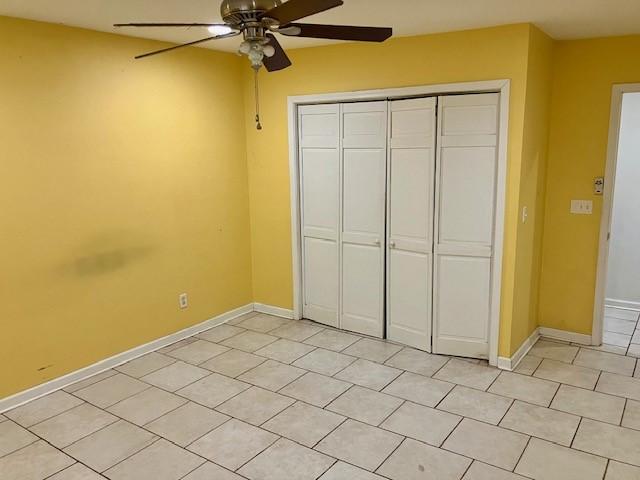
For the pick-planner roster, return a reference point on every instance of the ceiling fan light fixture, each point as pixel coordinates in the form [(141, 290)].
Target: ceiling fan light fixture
[(245, 48), (220, 30), (259, 20)]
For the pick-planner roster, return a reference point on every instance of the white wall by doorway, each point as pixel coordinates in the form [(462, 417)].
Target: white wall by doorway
[(617, 297), (623, 275)]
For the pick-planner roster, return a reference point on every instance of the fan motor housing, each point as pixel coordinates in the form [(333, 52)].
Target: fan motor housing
[(236, 12)]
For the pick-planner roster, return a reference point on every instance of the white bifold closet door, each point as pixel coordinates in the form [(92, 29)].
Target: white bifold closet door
[(342, 152), (412, 137), (396, 191), (364, 152), (466, 166), (319, 155)]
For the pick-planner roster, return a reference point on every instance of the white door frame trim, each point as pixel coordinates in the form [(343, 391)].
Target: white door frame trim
[(491, 86), (615, 121)]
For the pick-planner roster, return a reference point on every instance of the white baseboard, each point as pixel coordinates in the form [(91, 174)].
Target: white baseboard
[(271, 310), (566, 336), (511, 363), (51, 386), (61, 382), (624, 304)]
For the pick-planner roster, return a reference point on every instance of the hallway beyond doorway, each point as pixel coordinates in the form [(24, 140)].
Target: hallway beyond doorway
[(622, 331)]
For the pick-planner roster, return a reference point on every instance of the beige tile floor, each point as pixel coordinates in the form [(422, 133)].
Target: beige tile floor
[(621, 331), (267, 398)]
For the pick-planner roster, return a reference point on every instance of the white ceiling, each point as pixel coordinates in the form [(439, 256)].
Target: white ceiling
[(562, 19)]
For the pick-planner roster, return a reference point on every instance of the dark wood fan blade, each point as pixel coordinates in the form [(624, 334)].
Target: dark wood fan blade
[(203, 40), (170, 25), (296, 9), (280, 60), (340, 32), (164, 50)]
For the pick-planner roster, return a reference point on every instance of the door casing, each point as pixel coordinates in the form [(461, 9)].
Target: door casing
[(491, 86), (607, 207)]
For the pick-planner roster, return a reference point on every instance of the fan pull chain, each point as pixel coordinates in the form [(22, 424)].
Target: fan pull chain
[(258, 124)]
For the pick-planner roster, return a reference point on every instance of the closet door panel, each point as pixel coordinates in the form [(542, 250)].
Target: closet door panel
[(364, 125), (465, 210), (320, 186), (320, 279), (411, 192), (318, 126), (413, 123), (410, 222), (410, 298), (469, 115), (361, 289), (363, 217), (467, 195), (363, 197), (462, 304)]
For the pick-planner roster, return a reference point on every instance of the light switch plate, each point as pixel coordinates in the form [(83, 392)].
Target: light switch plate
[(582, 207)]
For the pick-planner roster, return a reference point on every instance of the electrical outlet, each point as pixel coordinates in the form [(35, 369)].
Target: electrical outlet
[(183, 300), (582, 207), (525, 214)]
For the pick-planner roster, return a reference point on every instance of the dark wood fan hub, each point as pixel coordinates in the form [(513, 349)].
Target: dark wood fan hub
[(238, 12)]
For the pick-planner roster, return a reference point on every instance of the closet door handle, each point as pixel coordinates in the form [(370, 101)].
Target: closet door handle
[(392, 244), (377, 243)]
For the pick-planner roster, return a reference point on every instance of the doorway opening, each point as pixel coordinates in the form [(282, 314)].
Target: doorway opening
[(618, 294)]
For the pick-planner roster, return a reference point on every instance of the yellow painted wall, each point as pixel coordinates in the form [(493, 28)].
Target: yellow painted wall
[(122, 185), (532, 188), (127, 181), (585, 72), (487, 54)]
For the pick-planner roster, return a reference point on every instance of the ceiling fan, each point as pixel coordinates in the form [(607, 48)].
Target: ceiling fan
[(258, 20)]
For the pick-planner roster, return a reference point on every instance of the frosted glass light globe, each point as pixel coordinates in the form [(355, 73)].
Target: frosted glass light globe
[(269, 51), (245, 48)]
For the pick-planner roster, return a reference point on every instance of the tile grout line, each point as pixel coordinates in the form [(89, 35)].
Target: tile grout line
[(179, 395), (48, 418), (77, 462), (486, 390), (576, 434), (624, 411), (379, 425), (606, 468), (404, 439), (441, 368), (522, 454), (175, 360), (191, 471), (37, 439), (506, 411), (73, 458)]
